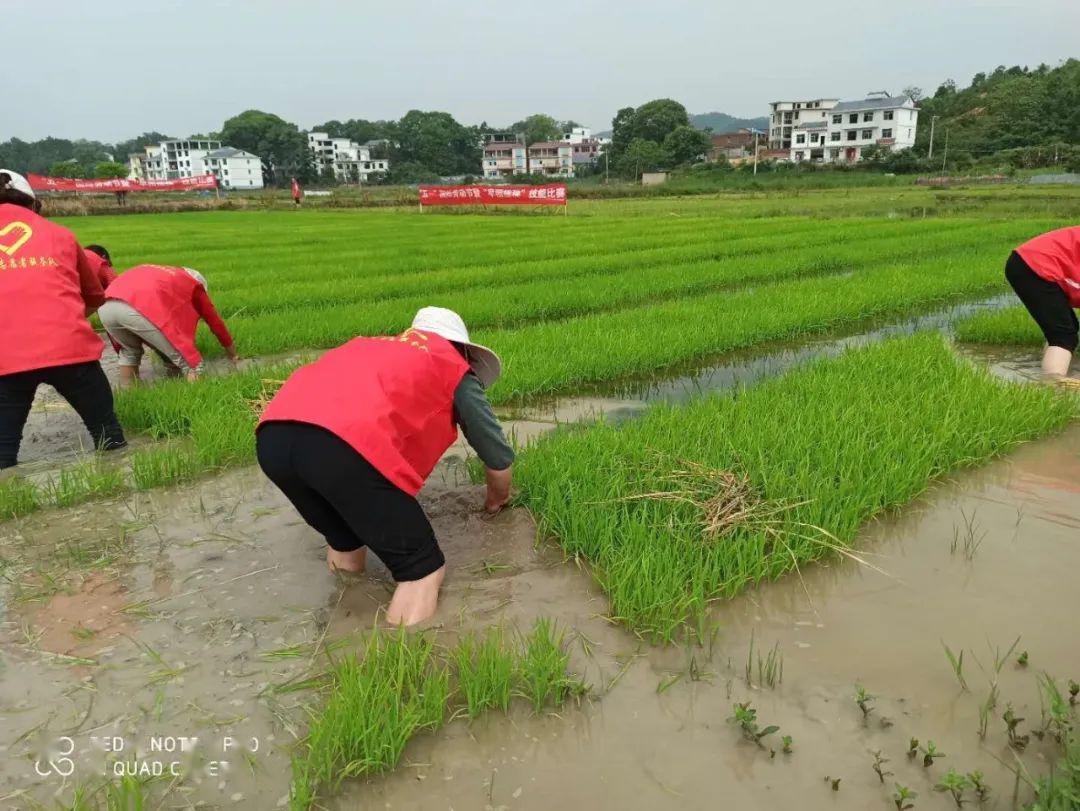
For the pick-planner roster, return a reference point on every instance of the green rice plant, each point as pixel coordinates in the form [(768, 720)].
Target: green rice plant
[(1057, 709), (1012, 326), (378, 700), (956, 662), (18, 497), (542, 672), (547, 357), (1060, 789), (645, 501), (84, 481), (485, 671), (986, 708), (155, 467)]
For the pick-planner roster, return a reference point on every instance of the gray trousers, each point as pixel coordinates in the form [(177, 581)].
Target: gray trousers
[(129, 328)]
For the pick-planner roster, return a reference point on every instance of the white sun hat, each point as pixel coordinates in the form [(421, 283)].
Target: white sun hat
[(197, 277), (448, 324), (18, 183)]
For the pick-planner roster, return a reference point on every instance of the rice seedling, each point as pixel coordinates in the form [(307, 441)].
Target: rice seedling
[(770, 669), (485, 671), (83, 482), (1058, 710), (18, 497), (673, 514), (954, 784), (956, 662), (1011, 326), (903, 798), (968, 537), (879, 766), (156, 467), (378, 700), (834, 782), (543, 667), (986, 708), (745, 718)]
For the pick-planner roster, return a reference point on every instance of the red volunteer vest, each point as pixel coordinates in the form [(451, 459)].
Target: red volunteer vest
[(391, 399), (1055, 256), (163, 296), (102, 269), (42, 312)]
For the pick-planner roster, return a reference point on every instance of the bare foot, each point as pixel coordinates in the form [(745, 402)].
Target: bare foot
[(415, 600), (354, 561)]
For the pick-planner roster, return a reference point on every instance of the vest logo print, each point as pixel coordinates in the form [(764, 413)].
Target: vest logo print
[(23, 231)]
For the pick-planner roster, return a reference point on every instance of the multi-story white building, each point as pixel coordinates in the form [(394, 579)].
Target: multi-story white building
[(178, 158), (586, 148), (234, 168), (502, 159), (349, 161), (784, 116), (551, 158), (834, 131), (884, 121)]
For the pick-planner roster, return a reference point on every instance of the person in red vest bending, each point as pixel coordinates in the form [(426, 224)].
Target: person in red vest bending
[(296, 191), (1045, 273), (47, 289), (160, 307), (101, 262), (351, 438)]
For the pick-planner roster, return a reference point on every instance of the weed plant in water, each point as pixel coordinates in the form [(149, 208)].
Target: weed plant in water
[(903, 798), (745, 717)]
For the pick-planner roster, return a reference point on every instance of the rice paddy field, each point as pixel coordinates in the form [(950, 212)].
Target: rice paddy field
[(793, 525)]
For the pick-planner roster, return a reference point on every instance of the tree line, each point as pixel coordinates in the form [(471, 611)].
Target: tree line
[(1015, 116)]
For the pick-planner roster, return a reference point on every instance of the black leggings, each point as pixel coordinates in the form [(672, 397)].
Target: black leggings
[(343, 497), (83, 385), (1046, 302)]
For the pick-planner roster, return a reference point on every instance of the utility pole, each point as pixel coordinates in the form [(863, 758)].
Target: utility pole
[(607, 175), (755, 151), (933, 120)]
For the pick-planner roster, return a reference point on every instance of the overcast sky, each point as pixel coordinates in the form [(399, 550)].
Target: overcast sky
[(110, 69)]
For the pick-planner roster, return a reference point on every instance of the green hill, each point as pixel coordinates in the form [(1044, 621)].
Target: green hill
[(722, 122), (1007, 109)]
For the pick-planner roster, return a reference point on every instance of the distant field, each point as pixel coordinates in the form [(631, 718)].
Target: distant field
[(616, 289)]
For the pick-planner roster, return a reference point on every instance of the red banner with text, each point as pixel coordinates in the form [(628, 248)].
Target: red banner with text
[(553, 194), (42, 183)]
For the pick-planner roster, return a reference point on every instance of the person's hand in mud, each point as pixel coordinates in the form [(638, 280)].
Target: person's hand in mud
[(234, 358), (498, 489)]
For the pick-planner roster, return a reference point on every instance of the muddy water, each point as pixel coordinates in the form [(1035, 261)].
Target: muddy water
[(628, 398), (182, 629), (840, 623)]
